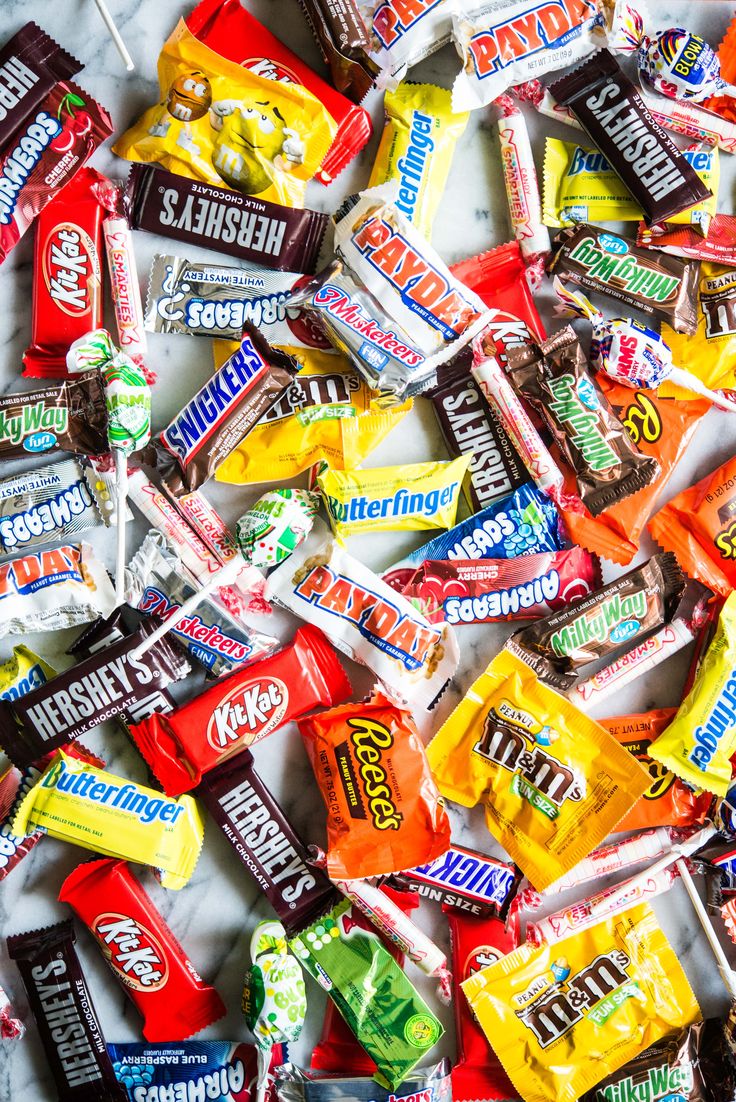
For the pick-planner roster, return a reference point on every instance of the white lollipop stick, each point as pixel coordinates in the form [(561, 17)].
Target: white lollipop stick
[(727, 974), (115, 35), (121, 494), (225, 576), (683, 378)]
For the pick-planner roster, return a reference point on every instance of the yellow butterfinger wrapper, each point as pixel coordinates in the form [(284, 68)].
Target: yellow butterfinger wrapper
[(90, 807), (553, 782), (222, 123), (698, 744), (392, 499), (416, 149), (23, 671), (579, 185), (328, 414), (562, 1017), (710, 352)]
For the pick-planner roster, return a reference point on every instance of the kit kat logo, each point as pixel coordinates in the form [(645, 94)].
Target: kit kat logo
[(71, 268), (545, 26), (247, 713), (132, 951)]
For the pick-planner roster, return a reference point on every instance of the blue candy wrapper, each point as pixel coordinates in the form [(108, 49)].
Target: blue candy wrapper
[(219, 1071)]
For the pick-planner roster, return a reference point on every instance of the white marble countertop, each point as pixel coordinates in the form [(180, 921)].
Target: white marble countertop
[(214, 915)]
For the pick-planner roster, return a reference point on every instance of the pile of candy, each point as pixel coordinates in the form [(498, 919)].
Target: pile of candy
[(327, 330)]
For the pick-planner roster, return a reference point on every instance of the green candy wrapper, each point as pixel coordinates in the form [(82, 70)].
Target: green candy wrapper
[(386, 1013), (276, 525)]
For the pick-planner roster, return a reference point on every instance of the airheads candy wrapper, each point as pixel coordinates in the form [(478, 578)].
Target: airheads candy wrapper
[(366, 619), (710, 352), (22, 672), (48, 504), (701, 739), (667, 801), (222, 123), (294, 1084), (563, 1016), (699, 525), (416, 148), (328, 413), (413, 497), (224, 1071), (523, 523), (390, 1019), (384, 810), (553, 782)]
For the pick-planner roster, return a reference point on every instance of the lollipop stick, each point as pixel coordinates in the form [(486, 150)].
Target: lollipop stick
[(115, 35), (121, 493), (727, 974), (264, 1062), (691, 382)]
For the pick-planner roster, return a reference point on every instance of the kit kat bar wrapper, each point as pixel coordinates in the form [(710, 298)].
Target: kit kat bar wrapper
[(31, 63), (612, 112), (266, 843), (253, 230), (99, 688), (473, 882)]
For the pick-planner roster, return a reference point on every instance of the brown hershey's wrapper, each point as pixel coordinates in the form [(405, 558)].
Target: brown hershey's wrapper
[(99, 688), (250, 229), (619, 614), (65, 1014), (70, 417), (556, 379), (656, 283), (342, 38), (610, 109), (266, 842), (31, 63)]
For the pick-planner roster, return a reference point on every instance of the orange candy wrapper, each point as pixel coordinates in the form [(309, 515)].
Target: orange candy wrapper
[(384, 811), (660, 427), (699, 525), (668, 801)]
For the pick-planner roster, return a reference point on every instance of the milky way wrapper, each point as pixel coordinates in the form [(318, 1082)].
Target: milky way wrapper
[(367, 620), (701, 739), (552, 781), (563, 1016)]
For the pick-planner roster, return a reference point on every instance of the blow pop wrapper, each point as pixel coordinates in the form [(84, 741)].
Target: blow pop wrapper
[(223, 123), (563, 1016), (552, 781), (700, 740), (127, 395), (384, 810), (275, 525)]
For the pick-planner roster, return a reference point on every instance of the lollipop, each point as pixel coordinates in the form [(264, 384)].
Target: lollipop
[(274, 999), (275, 525), (128, 401), (630, 352)]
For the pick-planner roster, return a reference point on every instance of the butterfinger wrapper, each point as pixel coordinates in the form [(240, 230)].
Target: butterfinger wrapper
[(275, 525), (366, 619), (23, 671)]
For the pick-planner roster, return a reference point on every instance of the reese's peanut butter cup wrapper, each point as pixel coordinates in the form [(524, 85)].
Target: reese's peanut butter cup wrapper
[(699, 526), (552, 781), (384, 812), (562, 1016), (700, 740)]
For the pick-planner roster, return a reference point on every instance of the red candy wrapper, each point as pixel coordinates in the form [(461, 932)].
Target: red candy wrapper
[(476, 942), (498, 277), (226, 27), (44, 154), (141, 951), (241, 709), (719, 246), (481, 591), (67, 278)]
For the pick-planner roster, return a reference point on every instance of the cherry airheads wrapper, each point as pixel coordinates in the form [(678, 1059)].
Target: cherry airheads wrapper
[(141, 950), (31, 63), (241, 709)]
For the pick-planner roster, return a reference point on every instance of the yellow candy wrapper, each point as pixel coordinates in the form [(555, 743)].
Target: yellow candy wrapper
[(563, 1016), (581, 186), (710, 353), (393, 499), (222, 123), (97, 810), (328, 414), (417, 147), (698, 744), (23, 671), (553, 782)]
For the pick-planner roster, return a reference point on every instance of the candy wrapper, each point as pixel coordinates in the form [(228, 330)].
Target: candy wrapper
[(223, 123), (522, 189), (461, 878), (188, 1068), (365, 619), (11, 1028), (51, 503), (294, 1084), (22, 672), (384, 811), (34, 62), (401, 34), (274, 998), (709, 353), (126, 294), (70, 417), (582, 1006), (552, 781), (276, 525), (719, 246)]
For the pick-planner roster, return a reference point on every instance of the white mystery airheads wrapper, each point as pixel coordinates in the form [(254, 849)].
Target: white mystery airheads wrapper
[(55, 589), (485, 35), (366, 619), (398, 45)]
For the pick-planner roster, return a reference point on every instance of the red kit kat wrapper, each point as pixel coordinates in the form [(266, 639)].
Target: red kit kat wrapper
[(141, 950)]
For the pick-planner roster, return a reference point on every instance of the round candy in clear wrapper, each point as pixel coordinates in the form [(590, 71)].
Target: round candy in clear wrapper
[(275, 525)]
